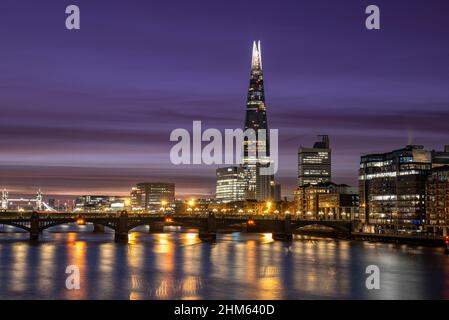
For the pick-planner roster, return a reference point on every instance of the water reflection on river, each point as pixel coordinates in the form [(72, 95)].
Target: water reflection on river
[(178, 265)]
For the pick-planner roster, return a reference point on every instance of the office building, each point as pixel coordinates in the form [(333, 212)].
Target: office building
[(153, 197), (314, 164), (440, 158), (392, 189), (437, 201), (275, 191), (326, 200), (230, 184)]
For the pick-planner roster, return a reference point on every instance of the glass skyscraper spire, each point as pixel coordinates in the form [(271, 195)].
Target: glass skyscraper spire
[(257, 149)]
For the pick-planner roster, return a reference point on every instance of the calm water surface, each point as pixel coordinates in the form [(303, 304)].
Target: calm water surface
[(178, 265)]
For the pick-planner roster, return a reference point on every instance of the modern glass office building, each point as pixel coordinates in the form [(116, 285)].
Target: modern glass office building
[(392, 189), (314, 164), (230, 184)]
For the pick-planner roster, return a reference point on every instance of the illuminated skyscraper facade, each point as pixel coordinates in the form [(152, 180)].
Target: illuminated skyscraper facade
[(230, 184), (392, 189), (314, 164), (256, 151)]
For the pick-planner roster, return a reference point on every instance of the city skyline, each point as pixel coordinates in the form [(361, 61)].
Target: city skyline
[(224, 159), (87, 123)]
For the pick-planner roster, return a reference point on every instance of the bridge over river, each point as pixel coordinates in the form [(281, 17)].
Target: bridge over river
[(208, 225)]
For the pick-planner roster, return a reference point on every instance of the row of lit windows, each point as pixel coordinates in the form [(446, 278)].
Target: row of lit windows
[(389, 174), (376, 164)]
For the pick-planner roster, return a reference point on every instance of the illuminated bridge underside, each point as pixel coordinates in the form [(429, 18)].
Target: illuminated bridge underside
[(206, 225)]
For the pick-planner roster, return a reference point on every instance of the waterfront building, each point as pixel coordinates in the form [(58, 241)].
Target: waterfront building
[(256, 150), (153, 197), (437, 201), (392, 189), (326, 200), (230, 184), (440, 158), (314, 164)]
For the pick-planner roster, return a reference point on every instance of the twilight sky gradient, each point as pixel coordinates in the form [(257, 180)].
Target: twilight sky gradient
[(91, 111)]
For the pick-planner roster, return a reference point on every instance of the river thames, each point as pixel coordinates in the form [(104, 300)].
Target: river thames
[(177, 265)]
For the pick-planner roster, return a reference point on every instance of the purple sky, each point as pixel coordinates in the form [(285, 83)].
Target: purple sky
[(91, 111)]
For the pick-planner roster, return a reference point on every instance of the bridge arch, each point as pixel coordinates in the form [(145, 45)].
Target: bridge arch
[(342, 227), (185, 224), (16, 225), (133, 226), (52, 224)]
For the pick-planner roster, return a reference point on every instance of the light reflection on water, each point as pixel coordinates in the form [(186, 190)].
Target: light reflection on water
[(238, 266)]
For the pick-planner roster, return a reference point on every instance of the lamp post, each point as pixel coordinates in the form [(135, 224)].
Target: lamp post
[(163, 206), (269, 204), (127, 203), (191, 203)]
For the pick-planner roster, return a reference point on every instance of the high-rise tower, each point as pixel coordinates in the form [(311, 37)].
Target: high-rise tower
[(256, 151), (314, 164)]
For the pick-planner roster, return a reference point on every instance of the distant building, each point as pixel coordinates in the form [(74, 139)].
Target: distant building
[(193, 206), (99, 203), (275, 191), (437, 201), (314, 164), (230, 184), (153, 197), (326, 200), (253, 207), (392, 189), (4, 200), (440, 158), (137, 199), (52, 203)]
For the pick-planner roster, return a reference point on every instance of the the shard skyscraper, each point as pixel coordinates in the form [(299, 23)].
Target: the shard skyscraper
[(256, 151)]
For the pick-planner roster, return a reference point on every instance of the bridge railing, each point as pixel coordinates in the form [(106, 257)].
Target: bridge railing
[(96, 215)]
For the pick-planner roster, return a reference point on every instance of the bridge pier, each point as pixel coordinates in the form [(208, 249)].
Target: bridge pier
[(98, 228), (286, 234), (121, 237), (156, 228), (34, 224), (34, 236), (282, 236), (121, 232), (251, 226), (209, 234)]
